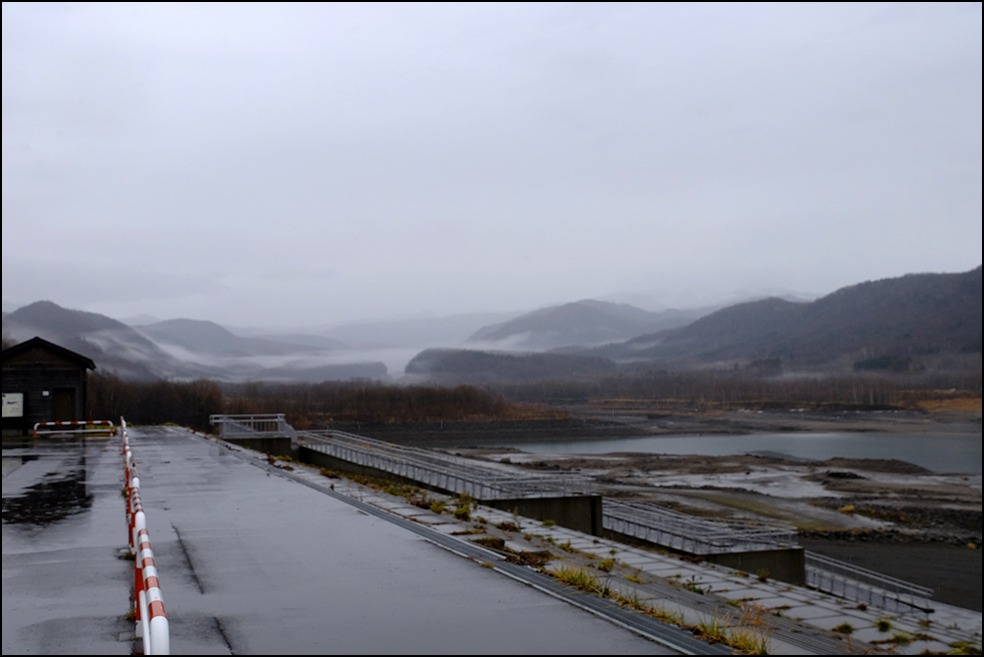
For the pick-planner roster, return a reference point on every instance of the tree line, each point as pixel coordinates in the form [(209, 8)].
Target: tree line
[(318, 405), (306, 405), (745, 388)]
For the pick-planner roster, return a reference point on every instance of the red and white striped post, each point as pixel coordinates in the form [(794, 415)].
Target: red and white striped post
[(151, 618)]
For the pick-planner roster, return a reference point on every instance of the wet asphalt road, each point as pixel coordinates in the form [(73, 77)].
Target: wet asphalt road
[(252, 561)]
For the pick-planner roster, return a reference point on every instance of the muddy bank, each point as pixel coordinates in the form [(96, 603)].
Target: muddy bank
[(586, 422), (743, 421)]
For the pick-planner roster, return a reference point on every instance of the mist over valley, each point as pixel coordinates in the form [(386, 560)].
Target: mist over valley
[(918, 323)]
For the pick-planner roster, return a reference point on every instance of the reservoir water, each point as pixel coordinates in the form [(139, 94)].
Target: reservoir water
[(956, 453)]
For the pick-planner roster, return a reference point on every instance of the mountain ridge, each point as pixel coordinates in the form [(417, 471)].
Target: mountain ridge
[(581, 323), (901, 323), (909, 323), (917, 313)]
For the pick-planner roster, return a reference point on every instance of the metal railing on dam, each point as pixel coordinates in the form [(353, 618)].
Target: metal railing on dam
[(686, 533), (862, 585), (258, 425), (443, 471), (464, 477)]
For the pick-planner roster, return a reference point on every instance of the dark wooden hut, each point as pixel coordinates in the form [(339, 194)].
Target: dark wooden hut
[(42, 382)]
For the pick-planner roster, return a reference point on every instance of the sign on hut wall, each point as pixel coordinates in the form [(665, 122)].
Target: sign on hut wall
[(13, 404)]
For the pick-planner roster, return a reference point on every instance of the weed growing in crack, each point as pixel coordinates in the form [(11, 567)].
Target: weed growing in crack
[(578, 578)]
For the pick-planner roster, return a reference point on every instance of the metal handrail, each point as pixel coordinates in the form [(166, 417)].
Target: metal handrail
[(699, 536), (427, 467), (252, 425), (864, 585)]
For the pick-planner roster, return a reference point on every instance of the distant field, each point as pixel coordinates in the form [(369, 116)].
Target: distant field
[(951, 405)]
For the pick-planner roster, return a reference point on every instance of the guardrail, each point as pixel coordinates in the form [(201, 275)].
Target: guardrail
[(152, 625), (82, 427), (461, 477), (253, 425), (862, 585), (690, 534)]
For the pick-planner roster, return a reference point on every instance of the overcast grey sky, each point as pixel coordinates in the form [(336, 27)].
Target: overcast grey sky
[(272, 164)]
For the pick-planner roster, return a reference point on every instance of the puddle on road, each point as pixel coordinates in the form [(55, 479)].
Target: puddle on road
[(11, 463), (60, 495)]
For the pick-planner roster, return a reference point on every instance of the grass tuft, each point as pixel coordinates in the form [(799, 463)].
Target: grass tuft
[(578, 578)]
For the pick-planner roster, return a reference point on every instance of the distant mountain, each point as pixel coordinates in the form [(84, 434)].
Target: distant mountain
[(370, 371), (181, 349), (111, 344), (892, 320), (318, 342), (208, 338), (412, 331), (581, 323), (897, 324), (454, 366)]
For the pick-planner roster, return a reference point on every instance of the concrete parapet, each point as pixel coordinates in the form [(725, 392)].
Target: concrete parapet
[(581, 513), (783, 564), (275, 446)]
